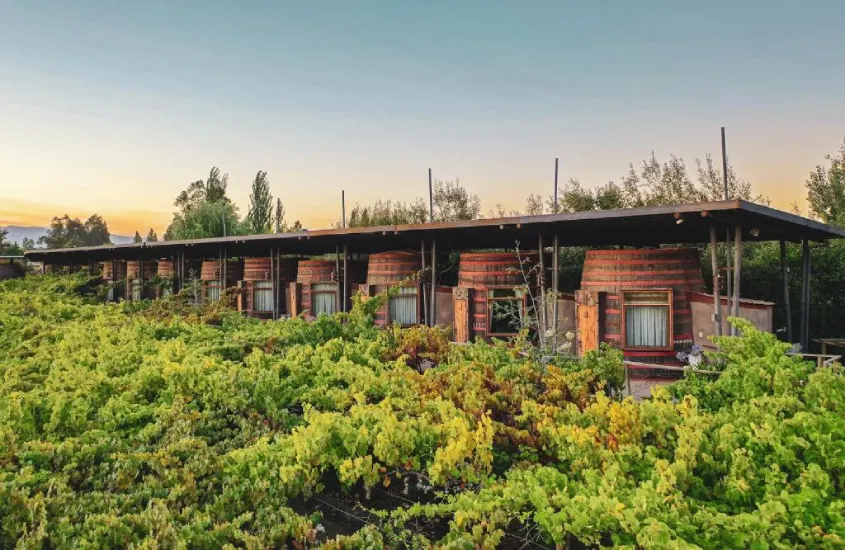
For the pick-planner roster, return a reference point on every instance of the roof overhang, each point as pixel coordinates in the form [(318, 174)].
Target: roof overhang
[(647, 226)]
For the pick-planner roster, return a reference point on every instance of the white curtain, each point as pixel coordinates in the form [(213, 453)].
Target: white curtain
[(403, 306), (136, 289), (212, 293), (323, 298), (647, 326), (262, 296)]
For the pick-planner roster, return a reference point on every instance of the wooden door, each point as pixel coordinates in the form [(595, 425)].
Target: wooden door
[(587, 321), (460, 301)]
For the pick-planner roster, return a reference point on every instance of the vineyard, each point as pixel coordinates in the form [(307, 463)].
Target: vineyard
[(166, 425)]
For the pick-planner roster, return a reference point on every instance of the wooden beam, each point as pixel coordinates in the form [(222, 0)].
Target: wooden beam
[(717, 301), (433, 282), (737, 271), (784, 273), (805, 295)]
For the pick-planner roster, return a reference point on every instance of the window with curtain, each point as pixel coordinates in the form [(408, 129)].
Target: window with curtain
[(505, 311), (262, 296), (647, 318), (323, 298), (404, 306), (212, 291)]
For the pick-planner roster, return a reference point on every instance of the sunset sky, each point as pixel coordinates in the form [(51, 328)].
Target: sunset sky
[(114, 107)]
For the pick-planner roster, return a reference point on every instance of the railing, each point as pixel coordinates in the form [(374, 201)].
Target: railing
[(822, 359)]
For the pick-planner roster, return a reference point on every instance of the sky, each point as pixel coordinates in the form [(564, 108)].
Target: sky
[(115, 107)]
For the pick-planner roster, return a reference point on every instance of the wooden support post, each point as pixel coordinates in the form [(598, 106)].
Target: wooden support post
[(717, 300), (337, 273), (345, 277), (737, 272), (274, 283), (555, 281), (805, 295), (423, 289), (542, 315), (433, 282)]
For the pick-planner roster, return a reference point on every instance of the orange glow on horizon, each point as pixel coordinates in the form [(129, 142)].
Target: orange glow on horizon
[(120, 222)]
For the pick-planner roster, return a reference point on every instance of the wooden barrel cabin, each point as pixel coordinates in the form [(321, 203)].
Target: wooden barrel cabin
[(113, 274), (318, 286), (259, 297), (212, 274), (493, 294), (637, 300), (138, 275), (396, 268), (165, 276)]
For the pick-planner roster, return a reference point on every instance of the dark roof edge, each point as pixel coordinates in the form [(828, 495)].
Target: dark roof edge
[(591, 215)]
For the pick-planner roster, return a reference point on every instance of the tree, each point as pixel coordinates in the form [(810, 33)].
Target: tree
[(204, 210), (204, 220), (151, 236), (137, 238), (452, 201), (67, 232), (279, 218), (212, 189), (826, 189), (260, 216), (27, 243), (8, 248)]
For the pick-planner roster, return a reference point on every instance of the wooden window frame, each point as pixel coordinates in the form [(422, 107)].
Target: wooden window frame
[(416, 296), (524, 306), (312, 293), (623, 321)]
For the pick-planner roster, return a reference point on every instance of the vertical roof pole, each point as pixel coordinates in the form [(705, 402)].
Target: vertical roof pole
[(430, 198)]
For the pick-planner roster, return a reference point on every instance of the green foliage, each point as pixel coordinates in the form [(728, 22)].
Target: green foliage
[(65, 232), (151, 236), (826, 189), (166, 424)]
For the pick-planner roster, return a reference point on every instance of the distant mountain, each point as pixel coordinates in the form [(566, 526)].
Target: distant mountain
[(17, 234)]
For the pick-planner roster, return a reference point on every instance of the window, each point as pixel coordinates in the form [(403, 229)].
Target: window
[(648, 318), (212, 291), (404, 306), (262, 296), (323, 298), (505, 311)]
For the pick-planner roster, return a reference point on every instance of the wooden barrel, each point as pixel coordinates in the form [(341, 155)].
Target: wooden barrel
[(614, 271), (481, 271), (133, 269), (387, 269), (165, 269), (211, 270), (325, 271), (257, 269), (390, 268), (120, 271)]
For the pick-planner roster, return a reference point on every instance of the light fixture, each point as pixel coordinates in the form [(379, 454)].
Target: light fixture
[(679, 221), (755, 232)]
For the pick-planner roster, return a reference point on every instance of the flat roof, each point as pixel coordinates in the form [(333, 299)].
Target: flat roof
[(646, 226)]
